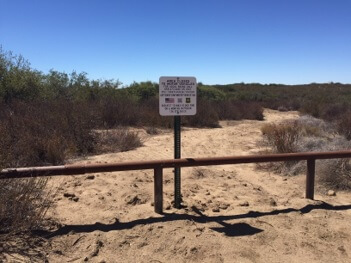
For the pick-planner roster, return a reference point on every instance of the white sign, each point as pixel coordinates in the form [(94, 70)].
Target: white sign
[(177, 96)]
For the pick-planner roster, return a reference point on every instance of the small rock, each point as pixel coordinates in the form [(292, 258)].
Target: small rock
[(69, 195), (342, 249), (272, 202), (90, 177), (124, 243), (224, 206), (136, 200), (75, 199), (216, 209), (168, 207), (77, 184), (58, 252), (193, 250), (285, 179), (142, 244), (331, 193), (245, 184), (244, 203)]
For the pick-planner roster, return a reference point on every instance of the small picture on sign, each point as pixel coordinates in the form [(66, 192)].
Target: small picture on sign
[(187, 100), (169, 100), (180, 100)]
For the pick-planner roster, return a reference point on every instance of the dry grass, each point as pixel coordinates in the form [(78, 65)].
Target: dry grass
[(238, 110), (283, 138), (117, 140), (23, 204), (309, 134), (344, 125), (335, 173)]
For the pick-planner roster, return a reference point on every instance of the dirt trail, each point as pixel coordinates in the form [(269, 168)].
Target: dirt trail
[(233, 213)]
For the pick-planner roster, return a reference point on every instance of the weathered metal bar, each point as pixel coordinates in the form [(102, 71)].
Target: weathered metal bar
[(158, 190), (187, 162), (311, 167)]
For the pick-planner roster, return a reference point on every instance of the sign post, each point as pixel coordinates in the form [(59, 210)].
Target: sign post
[(177, 155), (177, 98)]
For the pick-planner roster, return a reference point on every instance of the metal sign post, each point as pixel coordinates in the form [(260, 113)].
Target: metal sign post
[(177, 155), (177, 98)]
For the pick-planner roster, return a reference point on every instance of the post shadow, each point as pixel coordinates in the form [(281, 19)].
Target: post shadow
[(237, 229)]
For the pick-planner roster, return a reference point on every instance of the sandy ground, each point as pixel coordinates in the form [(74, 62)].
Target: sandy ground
[(232, 213)]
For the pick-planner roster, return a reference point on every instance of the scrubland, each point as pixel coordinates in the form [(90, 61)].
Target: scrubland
[(57, 118)]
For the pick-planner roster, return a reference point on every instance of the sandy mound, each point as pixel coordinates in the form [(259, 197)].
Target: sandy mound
[(233, 213)]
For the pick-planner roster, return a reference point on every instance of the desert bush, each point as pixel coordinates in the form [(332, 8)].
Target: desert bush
[(344, 125), (210, 93), (23, 204), (238, 110), (206, 116), (43, 133), (209, 112), (282, 108), (335, 173), (313, 127), (309, 134), (252, 111), (283, 138), (150, 116), (313, 108), (116, 111), (331, 112), (151, 130), (143, 90), (117, 140), (319, 144)]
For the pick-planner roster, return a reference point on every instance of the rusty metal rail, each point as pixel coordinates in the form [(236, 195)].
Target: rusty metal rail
[(159, 165)]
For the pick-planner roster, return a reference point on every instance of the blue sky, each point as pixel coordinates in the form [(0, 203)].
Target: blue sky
[(217, 41)]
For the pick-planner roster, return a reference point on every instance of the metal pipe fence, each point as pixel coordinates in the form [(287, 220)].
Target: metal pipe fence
[(159, 165)]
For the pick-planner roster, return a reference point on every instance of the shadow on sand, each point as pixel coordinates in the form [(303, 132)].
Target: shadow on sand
[(238, 229)]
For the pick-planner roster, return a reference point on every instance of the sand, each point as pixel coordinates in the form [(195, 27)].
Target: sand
[(232, 213)]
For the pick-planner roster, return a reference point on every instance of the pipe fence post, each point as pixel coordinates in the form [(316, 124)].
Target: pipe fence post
[(311, 167), (158, 190)]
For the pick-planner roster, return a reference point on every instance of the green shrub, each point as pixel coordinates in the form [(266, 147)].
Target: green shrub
[(210, 93), (143, 90)]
